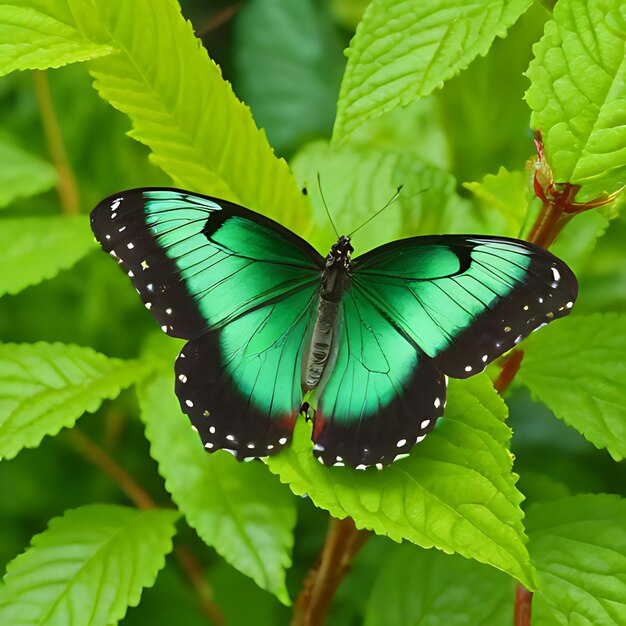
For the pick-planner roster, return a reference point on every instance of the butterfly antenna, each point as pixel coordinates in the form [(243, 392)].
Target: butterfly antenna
[(330, 217), (369, 219)]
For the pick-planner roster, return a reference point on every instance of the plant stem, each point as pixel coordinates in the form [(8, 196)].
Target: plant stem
[(510, 366), (142, 500), (343, 541), (523, 601), (96, 455), (198, 580), (218, 19), (66, 183)]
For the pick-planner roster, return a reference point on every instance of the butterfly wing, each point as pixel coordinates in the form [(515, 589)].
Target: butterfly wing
[(384, 393), (465, 300), (241, 287), (199, 262), (240, 385), (419, 309)]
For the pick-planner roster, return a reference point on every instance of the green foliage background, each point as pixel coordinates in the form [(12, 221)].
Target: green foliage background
[(436, 96)]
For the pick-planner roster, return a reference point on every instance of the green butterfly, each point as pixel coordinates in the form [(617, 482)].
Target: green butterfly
[(362, 346)]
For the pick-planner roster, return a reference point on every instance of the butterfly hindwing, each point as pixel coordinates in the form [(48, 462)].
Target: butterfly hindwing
[(383, 396), (465, 300), (240, 385), (241, 287)]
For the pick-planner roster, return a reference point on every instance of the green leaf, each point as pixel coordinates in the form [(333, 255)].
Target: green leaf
[(483, 110), (348, 12), (504, 197), (358, 181), (455, 492), (37, 248), (238, 508), (577, 242), (289, 61), (181, 107), (415, 129), (578, 97), (45, 387), (579, 547), (87, 567), (22, 174), (577, 369), (404, 50), (37, 35), (428, 587)]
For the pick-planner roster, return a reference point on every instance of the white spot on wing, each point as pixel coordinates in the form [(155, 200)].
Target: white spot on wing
[(208, 445), (420, 438), (189, 403), (468, 368), (437, 403), (130, 245), (282, 441), (556, 274), (182, 378), (212, 430), (424, 424), (401, 443), (230, 437)]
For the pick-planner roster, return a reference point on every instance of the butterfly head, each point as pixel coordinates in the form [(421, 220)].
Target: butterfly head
[(340, 253)]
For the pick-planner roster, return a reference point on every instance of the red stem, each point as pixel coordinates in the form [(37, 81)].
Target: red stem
[(342, 543), (510, 366), (523, 602)]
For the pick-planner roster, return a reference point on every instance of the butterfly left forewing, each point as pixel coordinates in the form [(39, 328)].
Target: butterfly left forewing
[(197, 262)]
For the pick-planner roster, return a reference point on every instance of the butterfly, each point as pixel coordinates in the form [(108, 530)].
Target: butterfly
[(361, 346)]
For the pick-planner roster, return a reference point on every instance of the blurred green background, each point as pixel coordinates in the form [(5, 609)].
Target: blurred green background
[(285, 60)]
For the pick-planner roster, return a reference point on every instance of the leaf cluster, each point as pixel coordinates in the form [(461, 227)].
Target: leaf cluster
[(436, 97)]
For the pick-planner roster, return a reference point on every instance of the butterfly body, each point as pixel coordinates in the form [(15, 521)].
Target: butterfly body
[(362, 346), (335, 280)]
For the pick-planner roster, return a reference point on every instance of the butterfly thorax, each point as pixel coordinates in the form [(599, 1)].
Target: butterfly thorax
[(334, 283)]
